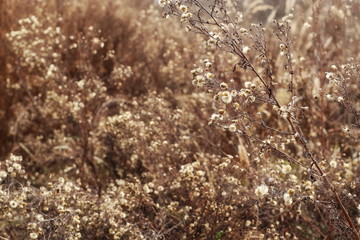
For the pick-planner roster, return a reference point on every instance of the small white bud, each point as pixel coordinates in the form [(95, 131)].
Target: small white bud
[(246, 50)]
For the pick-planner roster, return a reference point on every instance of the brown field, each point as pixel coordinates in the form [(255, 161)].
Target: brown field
[(129, 119)]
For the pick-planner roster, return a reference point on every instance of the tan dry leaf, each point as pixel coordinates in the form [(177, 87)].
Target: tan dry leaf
[(261, 8), (328, 42), (316, 87), (283, 96), (242, 152)]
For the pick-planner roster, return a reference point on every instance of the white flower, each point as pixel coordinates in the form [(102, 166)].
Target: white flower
[(183, 8), (243, 30), (215, 116), (209, 75), (232, 127), (147, 189), (287, 199), (234, 93), (329, 75), (199, 81), (96, 41), (39, 217), (247, 84), (223, 85), (187, 168), (199, 70), (333, 163), (252, 99), (200, 173), (285, 169), (33, 235), (226, 97), (163, 3), (293, 178), (3, 174), (13, 204), (81, 83), (261, 190), (68, 187), (246, 50), (186, 16), (214, 35), (17, 166), (307, 25)]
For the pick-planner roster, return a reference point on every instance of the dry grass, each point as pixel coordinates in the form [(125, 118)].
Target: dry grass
[(125, 120)]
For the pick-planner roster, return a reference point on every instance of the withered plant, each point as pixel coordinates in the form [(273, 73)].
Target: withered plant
[(179, 119)]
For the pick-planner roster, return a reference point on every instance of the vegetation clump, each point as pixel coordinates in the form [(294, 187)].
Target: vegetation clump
[(184, 119)]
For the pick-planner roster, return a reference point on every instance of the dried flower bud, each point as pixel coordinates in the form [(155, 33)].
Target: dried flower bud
[(232, 127), (246, 50), (226, 97), (183, 8), (261, 190)]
